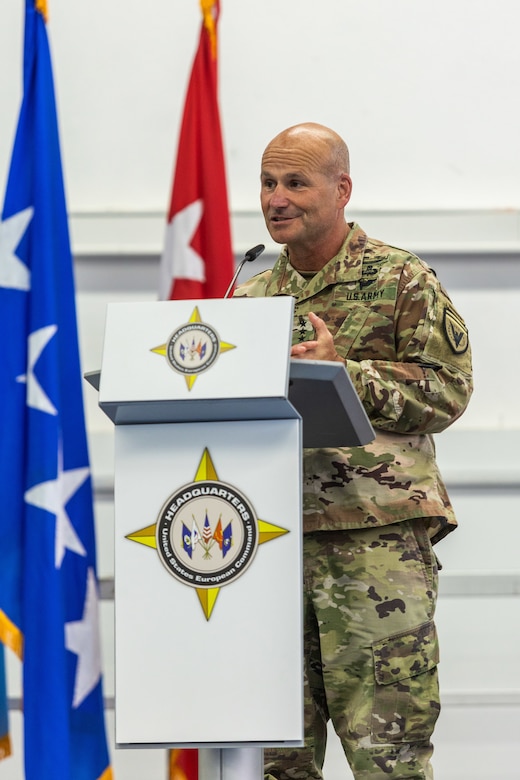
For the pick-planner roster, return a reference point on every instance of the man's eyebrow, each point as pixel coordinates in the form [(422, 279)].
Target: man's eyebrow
[(285, 175)]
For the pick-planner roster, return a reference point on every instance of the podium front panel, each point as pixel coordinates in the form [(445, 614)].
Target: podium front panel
[(188, 352), (208, 585)]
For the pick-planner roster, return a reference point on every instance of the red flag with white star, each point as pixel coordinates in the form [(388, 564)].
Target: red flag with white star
[(197, 260)]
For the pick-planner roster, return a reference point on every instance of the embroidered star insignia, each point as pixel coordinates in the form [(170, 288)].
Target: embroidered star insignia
[(37, 398), (82, 638), (180, 260), (53, 496), (13, 273)]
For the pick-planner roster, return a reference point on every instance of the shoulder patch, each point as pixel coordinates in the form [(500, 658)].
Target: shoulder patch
[(456, 332)]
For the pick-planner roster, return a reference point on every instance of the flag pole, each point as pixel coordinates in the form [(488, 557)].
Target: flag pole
[(238, 763)]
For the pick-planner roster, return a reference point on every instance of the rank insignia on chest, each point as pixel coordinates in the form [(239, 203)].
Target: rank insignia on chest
[(456, 332)]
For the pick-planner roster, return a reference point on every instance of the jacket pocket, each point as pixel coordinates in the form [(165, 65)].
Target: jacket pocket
[(406, 696)]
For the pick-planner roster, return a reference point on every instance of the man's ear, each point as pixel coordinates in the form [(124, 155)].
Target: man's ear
[(344, 189)]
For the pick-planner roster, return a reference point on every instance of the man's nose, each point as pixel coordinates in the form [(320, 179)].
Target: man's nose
[(279, 197)]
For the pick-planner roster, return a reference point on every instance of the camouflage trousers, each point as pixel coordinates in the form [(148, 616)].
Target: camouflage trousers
[(371, 653)]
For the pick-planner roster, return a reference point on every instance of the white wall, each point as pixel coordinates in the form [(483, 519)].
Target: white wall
[(424, 92)]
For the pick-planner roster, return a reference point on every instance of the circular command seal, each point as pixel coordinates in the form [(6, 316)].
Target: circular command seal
[(192, 348), (207, 534)]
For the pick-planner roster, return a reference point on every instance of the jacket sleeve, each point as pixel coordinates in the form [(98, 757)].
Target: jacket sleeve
[(429, 384)]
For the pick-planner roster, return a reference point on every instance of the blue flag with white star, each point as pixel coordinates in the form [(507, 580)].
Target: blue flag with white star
[(48, 585)]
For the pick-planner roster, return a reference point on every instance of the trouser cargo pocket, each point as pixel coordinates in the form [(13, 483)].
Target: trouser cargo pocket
[(406, 696)]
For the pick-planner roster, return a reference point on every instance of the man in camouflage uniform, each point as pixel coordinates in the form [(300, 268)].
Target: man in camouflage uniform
[(372, 513)]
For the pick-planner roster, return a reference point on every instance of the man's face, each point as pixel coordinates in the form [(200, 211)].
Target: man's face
[(301, 203)]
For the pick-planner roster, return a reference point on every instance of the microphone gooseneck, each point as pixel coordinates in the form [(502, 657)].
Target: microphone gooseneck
[(249, 256)]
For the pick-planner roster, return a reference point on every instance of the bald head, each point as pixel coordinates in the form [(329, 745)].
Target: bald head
[(305, 186), (322, 148)]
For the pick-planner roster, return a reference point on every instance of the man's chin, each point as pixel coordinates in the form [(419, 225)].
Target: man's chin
[(280, 231)]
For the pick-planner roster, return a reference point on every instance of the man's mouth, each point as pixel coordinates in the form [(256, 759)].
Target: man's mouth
[(280, 218)]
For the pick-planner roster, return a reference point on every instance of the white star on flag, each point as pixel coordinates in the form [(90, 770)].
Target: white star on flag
[(82, 638), (53, 496), (13, 273), (180, 261), (37, 398)]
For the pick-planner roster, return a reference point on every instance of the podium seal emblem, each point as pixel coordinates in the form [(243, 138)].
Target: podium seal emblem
[(192, 348), (207, 534)]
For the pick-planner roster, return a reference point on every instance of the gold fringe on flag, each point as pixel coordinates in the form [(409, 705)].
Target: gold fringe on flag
[(10, 635), (5, 747), (208, 8), (41, 6)]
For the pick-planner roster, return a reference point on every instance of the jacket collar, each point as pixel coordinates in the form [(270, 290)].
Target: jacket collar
[(346, 266)]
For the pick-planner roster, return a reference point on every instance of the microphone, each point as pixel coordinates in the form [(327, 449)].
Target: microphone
[(249, 256)]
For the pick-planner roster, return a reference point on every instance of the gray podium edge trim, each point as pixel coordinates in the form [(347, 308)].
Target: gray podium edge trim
[(319, 391)]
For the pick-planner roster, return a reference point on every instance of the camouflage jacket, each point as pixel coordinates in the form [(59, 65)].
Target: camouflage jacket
[(407, 352)]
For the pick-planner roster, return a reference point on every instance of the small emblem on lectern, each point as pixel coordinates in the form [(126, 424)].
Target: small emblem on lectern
[(192, 348), (207, 534)]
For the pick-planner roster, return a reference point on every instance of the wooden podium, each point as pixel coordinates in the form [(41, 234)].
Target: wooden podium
[(208, 490)]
